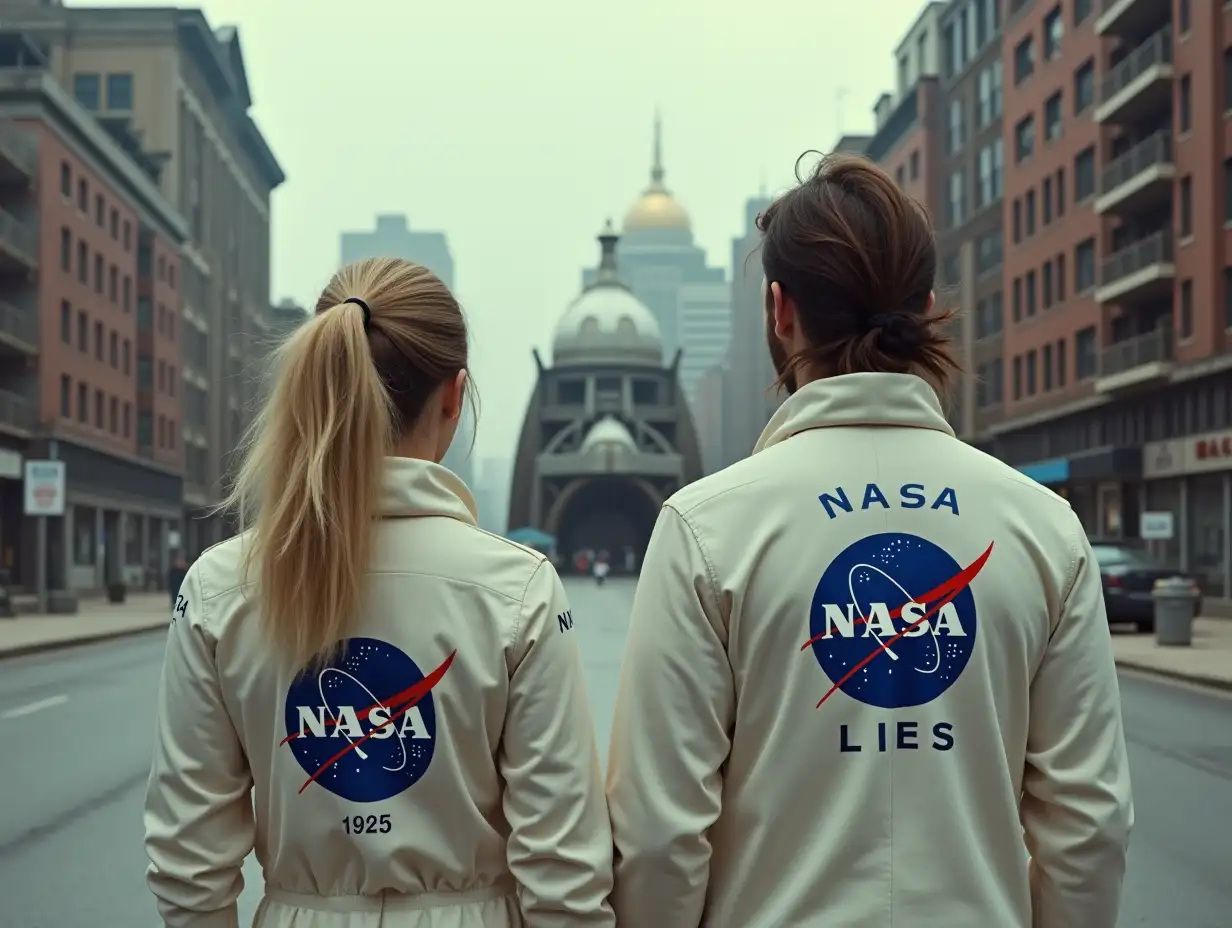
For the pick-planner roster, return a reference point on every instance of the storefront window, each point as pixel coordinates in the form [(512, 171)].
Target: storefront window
[(1165, 496), (83, 540), (1082, 501), (1207, 531)]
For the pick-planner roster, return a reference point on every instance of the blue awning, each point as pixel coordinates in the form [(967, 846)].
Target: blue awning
[(533, 537), (1050, 472)]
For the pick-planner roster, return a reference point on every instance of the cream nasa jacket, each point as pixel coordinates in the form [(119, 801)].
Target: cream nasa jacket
[(868, 674), (441, 773)]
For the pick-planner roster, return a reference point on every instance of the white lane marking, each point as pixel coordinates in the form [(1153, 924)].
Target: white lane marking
[(32, 707)]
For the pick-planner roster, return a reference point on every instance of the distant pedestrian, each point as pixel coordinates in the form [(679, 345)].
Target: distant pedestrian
[(175, 576)]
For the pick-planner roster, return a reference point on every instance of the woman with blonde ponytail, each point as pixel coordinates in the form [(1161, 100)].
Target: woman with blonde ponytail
[(365, 687)]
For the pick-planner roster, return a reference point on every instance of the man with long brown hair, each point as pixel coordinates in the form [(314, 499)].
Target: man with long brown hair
[(869, 680)]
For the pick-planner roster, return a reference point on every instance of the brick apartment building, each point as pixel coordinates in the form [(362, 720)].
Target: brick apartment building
[(89, 321), (1098, 355), (189, 102)]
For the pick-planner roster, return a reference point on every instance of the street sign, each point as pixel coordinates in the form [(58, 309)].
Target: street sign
[(45, 487), (1156, 526)]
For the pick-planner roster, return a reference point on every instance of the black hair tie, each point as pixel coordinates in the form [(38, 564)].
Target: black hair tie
[(884, 321), (362, 305)]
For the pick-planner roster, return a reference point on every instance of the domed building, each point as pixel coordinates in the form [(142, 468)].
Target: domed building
[(607, 435), (668, 273)]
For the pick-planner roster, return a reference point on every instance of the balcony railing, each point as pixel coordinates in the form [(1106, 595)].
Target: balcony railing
[(19, 237), (16, 411), (19, 326), (1154, 249), (1154, 150), (1154, 51), (1153, 347), (19, 148)]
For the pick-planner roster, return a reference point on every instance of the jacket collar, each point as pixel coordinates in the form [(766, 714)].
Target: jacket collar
[(856, 399), (414, 487)]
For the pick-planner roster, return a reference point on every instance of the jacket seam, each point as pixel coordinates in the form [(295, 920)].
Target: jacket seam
[(711, 575), (517, 625), (1072, 580)]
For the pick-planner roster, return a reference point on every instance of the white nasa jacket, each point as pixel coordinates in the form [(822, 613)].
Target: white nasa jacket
[(443, 773), (868, 672)]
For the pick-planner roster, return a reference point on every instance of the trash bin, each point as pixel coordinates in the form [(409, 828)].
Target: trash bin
[(1175, 601)]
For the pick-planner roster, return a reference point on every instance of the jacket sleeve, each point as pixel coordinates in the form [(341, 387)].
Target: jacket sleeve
[(671, 734), (560, 842), (198, 808), (1077, 810)]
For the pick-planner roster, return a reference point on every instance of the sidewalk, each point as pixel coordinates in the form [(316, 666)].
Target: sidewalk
[(96, 621), (1207, 661)]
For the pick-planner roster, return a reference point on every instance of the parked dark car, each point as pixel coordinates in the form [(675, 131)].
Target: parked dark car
[(1129, 576)]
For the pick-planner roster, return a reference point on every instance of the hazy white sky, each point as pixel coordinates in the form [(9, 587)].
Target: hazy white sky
[(519, 127)]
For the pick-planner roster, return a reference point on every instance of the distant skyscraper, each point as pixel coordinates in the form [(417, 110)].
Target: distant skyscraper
[(394, 238), (668, 273)]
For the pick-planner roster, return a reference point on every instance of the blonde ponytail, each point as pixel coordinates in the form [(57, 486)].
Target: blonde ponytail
[(310, 484)]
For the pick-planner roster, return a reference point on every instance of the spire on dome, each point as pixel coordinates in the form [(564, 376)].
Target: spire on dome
[(607, 272), (656, 166)]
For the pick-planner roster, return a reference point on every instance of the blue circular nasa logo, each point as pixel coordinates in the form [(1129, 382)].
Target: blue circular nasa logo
[(363, 725), (893, 621)]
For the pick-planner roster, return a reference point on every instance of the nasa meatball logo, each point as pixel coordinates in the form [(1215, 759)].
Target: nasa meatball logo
[(363, 725), (893, 621)]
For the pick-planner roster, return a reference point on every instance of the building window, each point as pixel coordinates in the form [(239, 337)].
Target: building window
[(114, 350), (66, 322), (98, 408), (1024, 139), (1086, 363), (1016, 231), (1054, 31), (1047, 284), (128, 235), (1186, 309), (1018, 377), (113, 283), (1052, 117), (66, 179), (1016, 300), (1031, 359), (66, 396), (1084, 86), (98, 273), (1082, 9), (1046, 200), (83, 402), (1024, 59), (66, 250), (83, 196), (83, 332), (115, 223), (1046, 363), (900, 176), (128, 420), (86, 90), (98, 341), (100, 210), (956, 125), (1059, 278), (114, 417), (915, 165), (120, 92), (1185, 93), (128, 357), (1227, 297), (83, 263), (1060, 192), (1084, 174), (1084, 265), (1061, 373), (1186, 207), (1029, 212), (1029, 293), (957, 204), (985, 190), (128, 293)]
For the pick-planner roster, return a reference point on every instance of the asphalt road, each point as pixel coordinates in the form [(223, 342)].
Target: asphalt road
[(75, 735)]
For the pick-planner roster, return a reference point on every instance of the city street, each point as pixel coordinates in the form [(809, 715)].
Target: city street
[(76, 729)]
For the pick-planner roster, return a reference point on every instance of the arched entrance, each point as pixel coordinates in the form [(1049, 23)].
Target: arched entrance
[(611, 514)]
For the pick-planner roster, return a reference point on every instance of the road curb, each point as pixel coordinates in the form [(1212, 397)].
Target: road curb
[(1197, 679), (39, 647)]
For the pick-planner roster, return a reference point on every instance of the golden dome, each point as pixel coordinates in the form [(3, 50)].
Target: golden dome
[(657, 208)]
